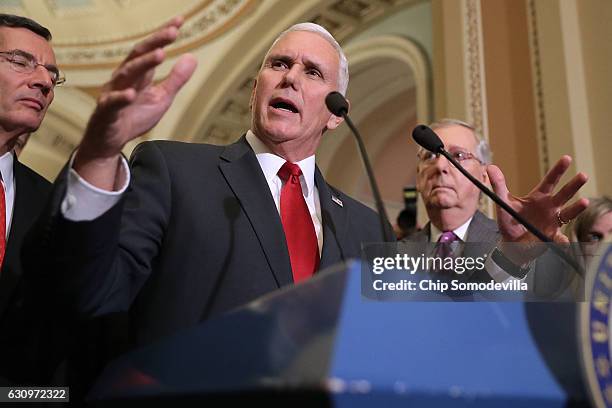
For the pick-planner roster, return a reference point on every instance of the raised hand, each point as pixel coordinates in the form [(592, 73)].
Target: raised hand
[(546, 210), (130, 105)]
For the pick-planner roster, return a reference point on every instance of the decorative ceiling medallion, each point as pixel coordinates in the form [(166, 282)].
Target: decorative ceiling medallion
[(204, 24)]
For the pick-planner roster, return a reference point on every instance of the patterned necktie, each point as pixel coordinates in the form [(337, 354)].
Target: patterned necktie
[(297, 223), (2, 222), (444, 249)]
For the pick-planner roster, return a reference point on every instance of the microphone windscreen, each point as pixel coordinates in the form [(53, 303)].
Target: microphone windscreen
[(336, 103), (427, 138)]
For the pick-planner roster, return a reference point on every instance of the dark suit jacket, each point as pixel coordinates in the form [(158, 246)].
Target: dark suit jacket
[(197, 234), (549, 278), (482, 235), (22, 327)]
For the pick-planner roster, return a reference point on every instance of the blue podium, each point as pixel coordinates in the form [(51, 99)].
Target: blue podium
[(321, 343)]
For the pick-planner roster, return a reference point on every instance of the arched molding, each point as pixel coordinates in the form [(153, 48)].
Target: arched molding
[(224, 112), (393, 54), (404, 51)]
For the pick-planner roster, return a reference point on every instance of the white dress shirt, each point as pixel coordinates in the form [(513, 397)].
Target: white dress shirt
[(85, 202), (461, 232), (8, 181), (270, 165)]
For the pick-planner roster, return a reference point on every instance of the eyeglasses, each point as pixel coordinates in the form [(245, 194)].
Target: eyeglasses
[(426, 157), (25, 63)]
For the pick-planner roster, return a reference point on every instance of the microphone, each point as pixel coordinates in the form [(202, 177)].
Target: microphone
[(429, 140), (338, 105)]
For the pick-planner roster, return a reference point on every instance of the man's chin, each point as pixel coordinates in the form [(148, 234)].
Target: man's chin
[(441, 203), (27, 122)]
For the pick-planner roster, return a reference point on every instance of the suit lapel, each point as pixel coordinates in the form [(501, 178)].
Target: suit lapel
[(242, 172), (24, 210), (482, 236), (335, 223)]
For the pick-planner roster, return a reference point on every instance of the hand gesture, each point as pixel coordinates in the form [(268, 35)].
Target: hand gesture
[(546, 210), (130, 105)]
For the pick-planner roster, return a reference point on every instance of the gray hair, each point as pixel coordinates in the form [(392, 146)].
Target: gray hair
[(483, 151), (343, 73)]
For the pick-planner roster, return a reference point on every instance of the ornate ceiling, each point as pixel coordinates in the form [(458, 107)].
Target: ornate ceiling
[(92, 34), (229, 38)]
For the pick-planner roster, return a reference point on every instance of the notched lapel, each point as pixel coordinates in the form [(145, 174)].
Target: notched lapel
[(242, 172), (335, 223), (28, 202)]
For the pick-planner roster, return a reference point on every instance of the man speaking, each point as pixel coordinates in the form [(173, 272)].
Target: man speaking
[(190, 231)]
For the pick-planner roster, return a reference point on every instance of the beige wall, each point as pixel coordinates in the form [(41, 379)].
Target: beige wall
[(595, 18), (510, 104)]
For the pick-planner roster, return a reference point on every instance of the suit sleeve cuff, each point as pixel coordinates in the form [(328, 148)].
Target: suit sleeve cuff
[(502, 270), (84, 201)]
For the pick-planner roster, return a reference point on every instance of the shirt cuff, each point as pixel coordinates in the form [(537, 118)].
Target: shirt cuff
[(84, 201), (498, 273)]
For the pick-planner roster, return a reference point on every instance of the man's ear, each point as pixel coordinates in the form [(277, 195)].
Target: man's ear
[(252, 95), (335, 121)]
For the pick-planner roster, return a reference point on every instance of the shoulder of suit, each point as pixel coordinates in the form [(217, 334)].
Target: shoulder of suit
[(24, 174), (171, 148), (486, 221)]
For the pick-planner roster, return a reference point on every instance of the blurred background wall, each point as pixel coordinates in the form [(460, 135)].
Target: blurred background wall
[(532, 75)]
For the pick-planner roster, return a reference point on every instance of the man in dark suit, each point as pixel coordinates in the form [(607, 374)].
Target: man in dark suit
[(452, 201), (201, 229), (28, 76)]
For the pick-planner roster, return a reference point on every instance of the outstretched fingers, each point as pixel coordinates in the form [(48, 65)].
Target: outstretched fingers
[(498, 182), (573, 210), (137, 72), (552, 177), (161, 38), (180, 74), (569, 189)]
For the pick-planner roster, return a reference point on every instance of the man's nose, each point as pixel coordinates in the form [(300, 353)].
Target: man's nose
[(41, 79), (292, 76), (441, 163)]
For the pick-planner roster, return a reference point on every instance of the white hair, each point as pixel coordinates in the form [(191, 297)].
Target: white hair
[(343, 74), (483, 151)]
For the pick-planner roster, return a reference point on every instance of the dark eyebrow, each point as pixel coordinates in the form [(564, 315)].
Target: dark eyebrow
[(313, 64), (26, 54)]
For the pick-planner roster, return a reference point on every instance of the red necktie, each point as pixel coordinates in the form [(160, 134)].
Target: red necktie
[(2, 223), (297, 223)]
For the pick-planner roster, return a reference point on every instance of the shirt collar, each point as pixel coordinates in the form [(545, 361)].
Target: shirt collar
[(270, 163), (6, 166), (461, 232)]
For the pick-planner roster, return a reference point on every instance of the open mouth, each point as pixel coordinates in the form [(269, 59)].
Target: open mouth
[(284, 105)]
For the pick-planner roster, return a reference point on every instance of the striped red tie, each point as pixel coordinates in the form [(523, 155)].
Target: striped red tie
[(297, 223)]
